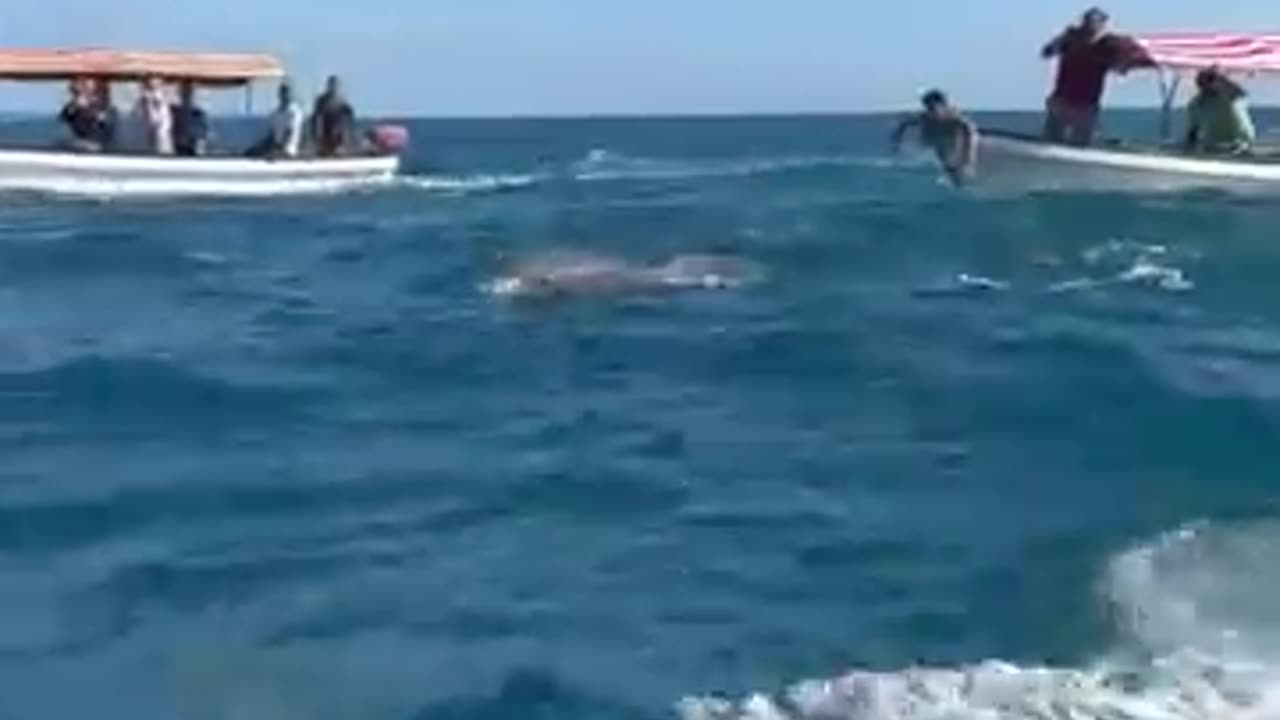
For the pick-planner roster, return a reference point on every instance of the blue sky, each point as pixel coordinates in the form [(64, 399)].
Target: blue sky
[(554, 57)]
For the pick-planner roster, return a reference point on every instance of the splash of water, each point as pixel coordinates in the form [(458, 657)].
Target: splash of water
[(1199, 639)]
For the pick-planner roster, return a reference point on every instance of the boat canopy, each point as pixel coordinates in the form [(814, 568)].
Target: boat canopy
[(1229, 52), (204, 68)]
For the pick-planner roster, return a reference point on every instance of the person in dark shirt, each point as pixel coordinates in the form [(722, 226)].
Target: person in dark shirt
[(333, 121), (81, 118), (190, 123), (1085, 53), (107, 116)]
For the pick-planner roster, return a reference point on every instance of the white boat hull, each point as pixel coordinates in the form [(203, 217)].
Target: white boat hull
[(1035, 163), (66, 173)]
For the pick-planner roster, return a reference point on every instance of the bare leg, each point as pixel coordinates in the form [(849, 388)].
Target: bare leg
[(1082, 128), (1053, 128)]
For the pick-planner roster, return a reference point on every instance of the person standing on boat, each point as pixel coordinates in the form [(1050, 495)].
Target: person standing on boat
[(1218, 116), (947, 132), (190, 123), (1085, 53), (153, 118), (333, 122)]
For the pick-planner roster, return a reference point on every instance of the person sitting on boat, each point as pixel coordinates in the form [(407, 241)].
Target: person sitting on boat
[(284, 139), (1085, 53), (946, 131), (81, 117), (1218, 116), (333, 122), (153, 120), (190, 123)]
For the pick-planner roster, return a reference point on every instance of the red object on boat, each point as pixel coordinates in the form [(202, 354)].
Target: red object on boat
[(1230, 52), (389, 138)]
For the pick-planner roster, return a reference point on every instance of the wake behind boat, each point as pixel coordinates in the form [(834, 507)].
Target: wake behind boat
[(107, 173)]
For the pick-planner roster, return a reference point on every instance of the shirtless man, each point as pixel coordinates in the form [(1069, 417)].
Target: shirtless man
[(947, 132)]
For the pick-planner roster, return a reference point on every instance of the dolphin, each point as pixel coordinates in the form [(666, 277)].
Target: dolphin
[(577, 275)]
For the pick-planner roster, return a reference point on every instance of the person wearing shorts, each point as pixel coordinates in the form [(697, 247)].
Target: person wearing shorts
[(1086, 53)]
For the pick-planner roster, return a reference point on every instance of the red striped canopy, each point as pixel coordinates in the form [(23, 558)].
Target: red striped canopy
[(208, 68), (1230, 52)]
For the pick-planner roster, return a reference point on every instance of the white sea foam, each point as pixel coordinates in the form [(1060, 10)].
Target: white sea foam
[(466, 184), (1130, 263), (963, 284), (601, 165), (207, 258), (1198, 638), (1165, 277)]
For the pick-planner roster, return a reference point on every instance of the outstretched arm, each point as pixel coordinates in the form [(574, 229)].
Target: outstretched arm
[(901, 131), (1054, 47)]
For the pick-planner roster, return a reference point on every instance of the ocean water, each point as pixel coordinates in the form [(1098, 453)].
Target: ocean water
[(911, 453)]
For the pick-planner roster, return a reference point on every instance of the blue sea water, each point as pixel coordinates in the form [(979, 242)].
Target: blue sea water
[(955, 455)]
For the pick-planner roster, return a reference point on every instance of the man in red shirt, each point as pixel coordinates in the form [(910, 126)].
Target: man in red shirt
[(1086, 53)]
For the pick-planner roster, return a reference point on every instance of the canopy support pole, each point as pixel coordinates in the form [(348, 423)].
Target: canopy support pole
[(1168, 95)]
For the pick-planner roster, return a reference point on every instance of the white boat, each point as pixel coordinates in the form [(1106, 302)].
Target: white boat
[(61, 171), (110, 175), (1031, 161), (1008, 156)]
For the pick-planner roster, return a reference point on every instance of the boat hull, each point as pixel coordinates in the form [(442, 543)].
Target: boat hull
[(67, 173), (1009, 158)]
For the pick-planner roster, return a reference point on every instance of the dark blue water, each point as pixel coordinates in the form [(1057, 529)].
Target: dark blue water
[(289, 459)]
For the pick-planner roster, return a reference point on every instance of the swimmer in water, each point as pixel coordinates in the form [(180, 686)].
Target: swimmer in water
[(946, 131)]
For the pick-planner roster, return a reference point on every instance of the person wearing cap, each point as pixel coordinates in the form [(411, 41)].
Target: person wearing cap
[(1218, 120), (1086, 53), (947, 132)]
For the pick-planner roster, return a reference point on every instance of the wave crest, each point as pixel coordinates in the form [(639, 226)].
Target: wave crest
[(1200, 641)]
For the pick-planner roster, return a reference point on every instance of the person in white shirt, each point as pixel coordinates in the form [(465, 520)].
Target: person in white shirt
[(154, 118), (285, 136)]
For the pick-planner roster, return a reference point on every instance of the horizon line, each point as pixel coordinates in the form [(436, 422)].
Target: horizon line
[(663, 115)]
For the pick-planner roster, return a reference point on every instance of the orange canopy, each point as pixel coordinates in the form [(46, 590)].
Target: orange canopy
[(205, 68)]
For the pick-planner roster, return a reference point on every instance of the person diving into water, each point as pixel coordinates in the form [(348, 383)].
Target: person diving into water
[(946, 131)]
